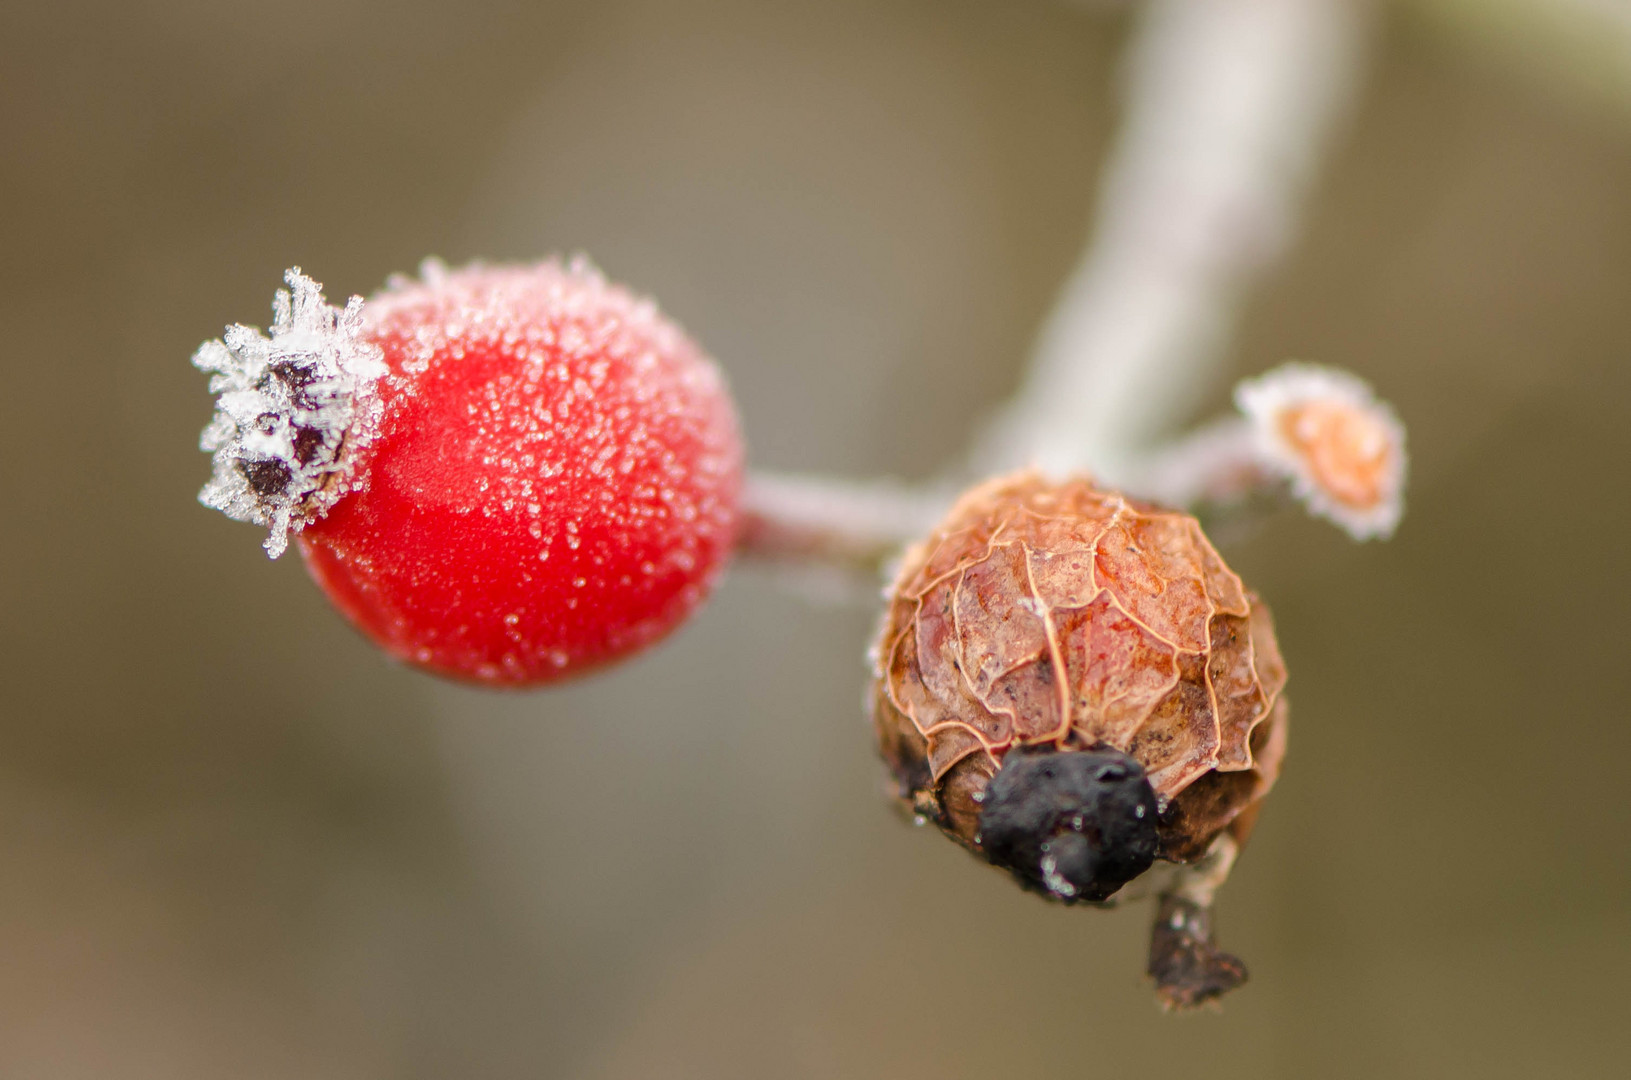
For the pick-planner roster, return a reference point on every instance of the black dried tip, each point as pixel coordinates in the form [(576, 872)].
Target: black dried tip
[(1075, 824), (266, 477)]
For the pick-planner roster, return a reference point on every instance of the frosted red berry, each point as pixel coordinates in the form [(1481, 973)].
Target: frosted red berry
[(543, 479)]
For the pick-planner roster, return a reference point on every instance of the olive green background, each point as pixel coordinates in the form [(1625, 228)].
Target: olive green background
[(236, 842)]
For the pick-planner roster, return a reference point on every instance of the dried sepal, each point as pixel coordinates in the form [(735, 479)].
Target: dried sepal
[(1341, 448), (291, 410)]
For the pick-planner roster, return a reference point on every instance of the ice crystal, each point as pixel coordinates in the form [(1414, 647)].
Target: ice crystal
[(1056, 882), (291, 411)]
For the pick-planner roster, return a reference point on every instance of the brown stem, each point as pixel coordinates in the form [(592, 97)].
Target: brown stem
[(1189, 970)]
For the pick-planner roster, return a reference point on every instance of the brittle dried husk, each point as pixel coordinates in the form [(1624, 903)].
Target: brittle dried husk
[(1061, 613)]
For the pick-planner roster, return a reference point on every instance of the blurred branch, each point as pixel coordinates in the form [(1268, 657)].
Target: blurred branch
[(855, 524), (1218, 463), (1230, 106)]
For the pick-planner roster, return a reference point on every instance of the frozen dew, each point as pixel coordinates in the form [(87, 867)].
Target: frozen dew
[(1342, 449), (290, 411), (1055, 881)]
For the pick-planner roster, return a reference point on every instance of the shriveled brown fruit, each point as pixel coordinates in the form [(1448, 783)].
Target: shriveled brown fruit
[(1072, 684)]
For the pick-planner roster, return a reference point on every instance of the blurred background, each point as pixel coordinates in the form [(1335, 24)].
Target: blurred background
[(235, 841)]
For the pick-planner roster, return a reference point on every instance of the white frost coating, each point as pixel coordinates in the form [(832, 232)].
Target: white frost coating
[(1342, 448), (290, 410), (1053, 879)]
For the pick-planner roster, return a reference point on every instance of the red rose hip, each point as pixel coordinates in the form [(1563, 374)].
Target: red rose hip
[(509, 474)]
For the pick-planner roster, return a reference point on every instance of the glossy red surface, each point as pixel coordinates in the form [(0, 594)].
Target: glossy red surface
[(554, 483)]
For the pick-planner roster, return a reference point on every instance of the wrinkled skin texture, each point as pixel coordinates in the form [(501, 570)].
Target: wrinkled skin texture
[(1043, 614)]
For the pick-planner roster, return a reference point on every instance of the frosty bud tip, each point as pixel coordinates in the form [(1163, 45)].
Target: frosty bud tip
[(290, 411)]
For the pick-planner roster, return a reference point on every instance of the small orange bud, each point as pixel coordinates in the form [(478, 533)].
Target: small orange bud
[(1341, 448)]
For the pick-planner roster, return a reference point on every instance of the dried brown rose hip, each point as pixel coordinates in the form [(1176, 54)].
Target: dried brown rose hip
[(1073, 685)]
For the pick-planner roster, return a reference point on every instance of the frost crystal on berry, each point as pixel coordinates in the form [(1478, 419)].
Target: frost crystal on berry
[(290, 411), (1341, 447)]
